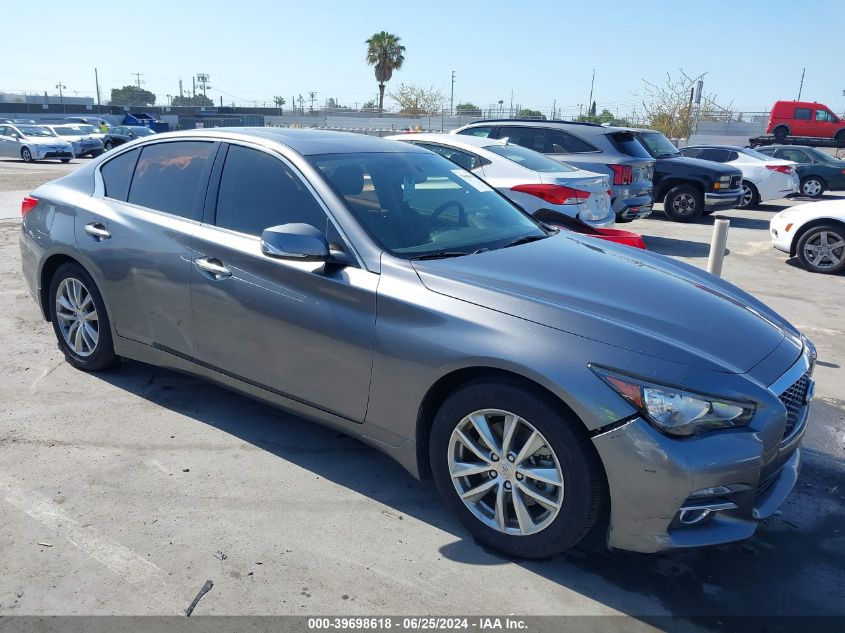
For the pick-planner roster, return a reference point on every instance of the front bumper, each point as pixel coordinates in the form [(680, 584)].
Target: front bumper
[(722, 201), (45, 153), (660, 486), (781, 238)]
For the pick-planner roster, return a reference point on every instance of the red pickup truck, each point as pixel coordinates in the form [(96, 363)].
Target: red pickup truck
[(806, 119)]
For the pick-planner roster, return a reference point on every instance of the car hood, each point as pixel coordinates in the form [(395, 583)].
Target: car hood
[(626, 297), (697, 165)]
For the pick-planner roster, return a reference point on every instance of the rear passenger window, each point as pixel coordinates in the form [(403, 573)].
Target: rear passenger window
[(258, 191), (169, 176), (117, 174), (716, 155), (532, 138), (477, 131), (803, 114), (690, 152), (560, 142)]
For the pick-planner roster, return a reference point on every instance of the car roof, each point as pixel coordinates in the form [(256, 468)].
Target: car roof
[(735, 148), (584, 127), (449, 139), (305, 141)]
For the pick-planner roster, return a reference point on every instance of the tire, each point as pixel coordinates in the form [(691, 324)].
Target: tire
[(780, 132), (750, 196), (83, 354), (96, 153), (65, 160), (26, 155), (563, 451), (820, 237), (683, 203), (108, 145), (812, 187), (840, 136)]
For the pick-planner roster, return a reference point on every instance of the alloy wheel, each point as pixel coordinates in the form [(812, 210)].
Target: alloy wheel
[(26, 155), (811, 187), (77, 317), (824, 250), (505, 472), (747, 196), (684, 204)]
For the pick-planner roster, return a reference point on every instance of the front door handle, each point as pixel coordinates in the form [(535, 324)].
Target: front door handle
[(97, 231), (213, 266)]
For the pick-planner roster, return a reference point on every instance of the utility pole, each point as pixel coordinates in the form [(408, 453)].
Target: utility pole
[(181, 96), (61, 86), (554, 108), (511, 110), (452, 98), (801, 86), (203, 78), (592, 83), (97, 83), (194, 87), (312, 95), (138, 82), (169, 99)]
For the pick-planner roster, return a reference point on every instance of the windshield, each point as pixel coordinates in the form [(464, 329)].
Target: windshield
[(87, 129), (67, 131), (141, 130), (34, 130), (658, 145), (529, 159), (419, 204)]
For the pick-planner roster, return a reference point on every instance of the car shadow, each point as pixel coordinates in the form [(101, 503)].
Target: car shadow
[(678, 248), (751, 578)]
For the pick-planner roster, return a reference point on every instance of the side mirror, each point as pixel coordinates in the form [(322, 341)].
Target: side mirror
[(300, 242)]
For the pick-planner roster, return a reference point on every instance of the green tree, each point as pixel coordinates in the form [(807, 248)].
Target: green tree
[(132, 95), (199, 100), (385, 53), (528, 113), (370, 105), (468, 109), (279, 101)]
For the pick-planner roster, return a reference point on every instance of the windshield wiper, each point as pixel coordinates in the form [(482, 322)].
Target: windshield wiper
[(439, 255), (525, 239)]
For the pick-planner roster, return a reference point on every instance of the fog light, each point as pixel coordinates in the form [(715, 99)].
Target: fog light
[(695, 513)]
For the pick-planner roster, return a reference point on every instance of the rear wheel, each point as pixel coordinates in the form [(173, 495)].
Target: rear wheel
[(812, 187), (822, 249), (519, 473), (781, 132), (108, 145), (26, 155), (684, 203), (750, 197), (79, 319), (65, 160), (840, 136)]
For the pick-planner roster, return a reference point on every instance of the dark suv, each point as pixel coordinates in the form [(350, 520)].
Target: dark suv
[(687, 187), (587, 146)]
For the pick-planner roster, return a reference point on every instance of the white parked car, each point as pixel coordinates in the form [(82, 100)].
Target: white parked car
[(763, 177), (813, 232), (533, 181), (32, 142), (83, 143)]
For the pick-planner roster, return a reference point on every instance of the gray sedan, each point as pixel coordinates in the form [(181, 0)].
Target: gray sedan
[(374, 287)]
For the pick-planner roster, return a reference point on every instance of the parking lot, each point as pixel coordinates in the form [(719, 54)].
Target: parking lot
[(123, 492)]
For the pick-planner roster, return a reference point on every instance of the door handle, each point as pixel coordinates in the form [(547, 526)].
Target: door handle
[(213, 266), (97, 231)]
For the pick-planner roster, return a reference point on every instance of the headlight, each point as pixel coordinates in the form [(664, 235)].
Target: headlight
[(675, 411)]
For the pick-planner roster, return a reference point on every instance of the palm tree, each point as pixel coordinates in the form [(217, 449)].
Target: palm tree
[(385, 53)]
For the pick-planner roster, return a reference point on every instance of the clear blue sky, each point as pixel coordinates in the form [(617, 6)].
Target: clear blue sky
[(543, 51)]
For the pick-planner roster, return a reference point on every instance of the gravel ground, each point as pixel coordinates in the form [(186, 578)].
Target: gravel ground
[(123, 492)]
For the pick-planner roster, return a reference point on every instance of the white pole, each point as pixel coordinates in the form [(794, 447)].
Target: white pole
[(717, 247)]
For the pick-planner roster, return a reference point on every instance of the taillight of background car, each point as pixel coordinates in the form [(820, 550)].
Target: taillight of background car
[(622, 174), (783, 169), (28, 204), (554, 194)]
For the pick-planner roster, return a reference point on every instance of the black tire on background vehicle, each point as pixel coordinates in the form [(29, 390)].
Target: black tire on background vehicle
[(821, 249), (840, 136), (750, 197), (26, 155), (96, 153), (781, 132), (812, 187), (76, 301), (108, 145), (65, 160), (510, 516), (684, 203)]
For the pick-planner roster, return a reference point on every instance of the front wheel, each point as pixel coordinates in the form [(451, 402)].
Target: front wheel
[(517, 470), (80, 320), (26, 155), (684, 203), (812, 187), (108, 145), (822, 249), (65, 160), (780, 133), (750, 197)]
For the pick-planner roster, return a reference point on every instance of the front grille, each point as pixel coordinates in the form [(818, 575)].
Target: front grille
[(795, 399), (736, 181)]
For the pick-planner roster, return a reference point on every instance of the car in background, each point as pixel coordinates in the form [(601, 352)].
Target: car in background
[(804, 118), (818, 171), (584, 145), (24, 122), (541, 186), (83, 143), (763, 178), (124, 133), (814, 232), (86, 120), (32, 142), (549, 382), (688, 188)]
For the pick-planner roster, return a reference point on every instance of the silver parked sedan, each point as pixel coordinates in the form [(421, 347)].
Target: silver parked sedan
[(84, 143), (376, 288), (32, 142)]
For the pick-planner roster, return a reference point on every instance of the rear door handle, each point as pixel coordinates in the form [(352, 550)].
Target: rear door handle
[(213, 266), (97, 231)]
